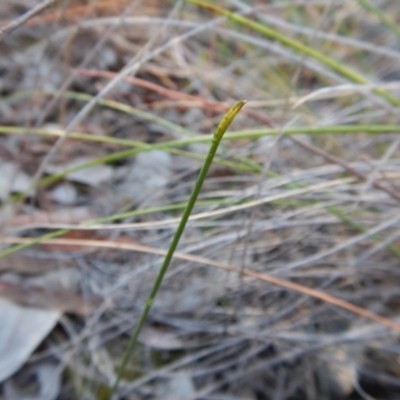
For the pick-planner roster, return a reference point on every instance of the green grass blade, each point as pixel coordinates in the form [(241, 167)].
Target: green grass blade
[(219, 132), (238, 135), (171, 146), (296, 45), (232, 135), (359, 227), (380, 15)]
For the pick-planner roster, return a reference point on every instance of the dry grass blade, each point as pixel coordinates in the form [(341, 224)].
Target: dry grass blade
[(8, 28), (362, 312)]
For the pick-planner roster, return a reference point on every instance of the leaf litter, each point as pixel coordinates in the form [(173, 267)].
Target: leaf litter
[(212, 333)]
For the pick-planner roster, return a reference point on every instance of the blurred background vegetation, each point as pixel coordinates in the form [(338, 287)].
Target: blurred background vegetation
[(286, 283)]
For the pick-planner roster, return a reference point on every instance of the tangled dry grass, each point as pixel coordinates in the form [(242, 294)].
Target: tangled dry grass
[(105, 109)]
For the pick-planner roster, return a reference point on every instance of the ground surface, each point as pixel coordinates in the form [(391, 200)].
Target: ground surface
[(286, 284)]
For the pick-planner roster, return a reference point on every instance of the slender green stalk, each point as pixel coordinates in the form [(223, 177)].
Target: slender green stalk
[(381, 16), (296, 45), (219, 132)]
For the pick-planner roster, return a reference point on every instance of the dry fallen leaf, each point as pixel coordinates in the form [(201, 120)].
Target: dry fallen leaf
[(47, 377), (57, 299), (12, 180), (65, 215), (93, 176), (24, 264), (148, 177), (22, 330)]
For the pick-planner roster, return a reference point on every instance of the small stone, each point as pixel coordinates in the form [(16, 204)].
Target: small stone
[(64, 194)]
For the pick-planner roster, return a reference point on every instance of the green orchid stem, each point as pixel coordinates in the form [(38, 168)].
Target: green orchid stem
[(219, 132)]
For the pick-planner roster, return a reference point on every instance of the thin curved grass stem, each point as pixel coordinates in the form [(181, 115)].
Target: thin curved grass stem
[(297, 46), (219, 132)]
